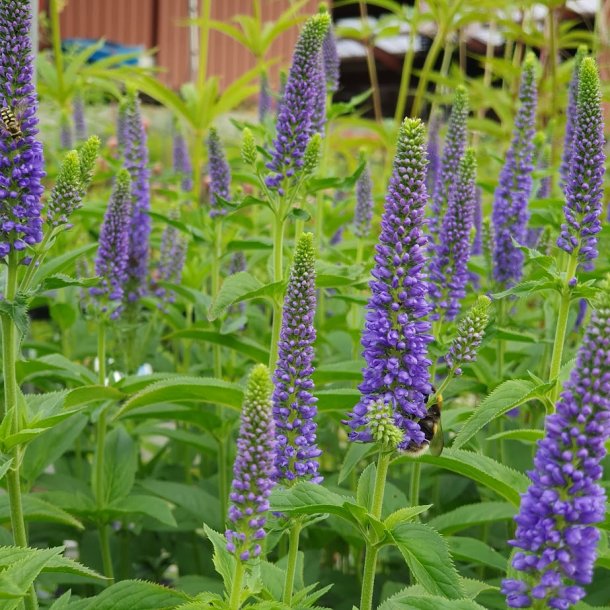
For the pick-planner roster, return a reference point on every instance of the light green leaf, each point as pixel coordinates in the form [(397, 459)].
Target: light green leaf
[(469, 515), (476, 551), (143, 505), (37, 509)]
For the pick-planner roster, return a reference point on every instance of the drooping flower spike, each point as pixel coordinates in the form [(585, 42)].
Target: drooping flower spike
[(253, 469), (449, 265), (22, 168), (453, 150), (219, 173), (135, 161), (584, 188), (556, 535), (294, 406), (397, 334), (296, 111), (510, 210)]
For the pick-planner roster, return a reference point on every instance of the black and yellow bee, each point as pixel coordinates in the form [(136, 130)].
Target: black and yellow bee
[(11, 124), (431, 426)]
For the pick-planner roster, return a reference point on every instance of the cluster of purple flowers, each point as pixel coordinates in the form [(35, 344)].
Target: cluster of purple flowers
[(182, 162), (294, 406), (253, 469), (448, 267), (135, 154), (396, 334), (22, 164), (295, 121), (510, 208), (220, 174), (172, 257), (584, 187), (556, 531), (331, 61), (363, 214)]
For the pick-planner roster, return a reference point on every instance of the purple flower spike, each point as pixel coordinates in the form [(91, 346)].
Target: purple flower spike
[(571, 110), (113, 252), (182, 163), (296, 112), (294, 407), (584, 189), (446, 173), (449, 267), (434, 159), (78, 116), (253, 469), (219, 172), (171, 260), (136, 163), (265, 99), (363, 214), (65, 134), (510, 211), (477, 241), (556, 531), (318, 118), (396, 334), (332, 63), (22, 165)]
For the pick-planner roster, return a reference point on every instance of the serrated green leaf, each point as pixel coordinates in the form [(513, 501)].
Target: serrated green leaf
[(476, 551), (468, 515), (404, 515), (224, 562)]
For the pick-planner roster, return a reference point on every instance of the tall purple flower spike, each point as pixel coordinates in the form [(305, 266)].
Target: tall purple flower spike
[(447, 169), (78, 116), (584, 189), (556, 534), (434, 158), (265, 99), (136, 163), (253, 469), (510, 210), (220, 174), (294, 406), (332, 63), (571, 110), (396, 333), (363, 214), (113, 251), (449, 265), (298, 104), (182, 162), (22, 166)]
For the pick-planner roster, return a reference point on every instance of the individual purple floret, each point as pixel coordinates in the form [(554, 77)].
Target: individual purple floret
[(332, 63), (566, 158), (294, 406), (510, 210), (434, 159), (294, 122), (470, 332), (449, 265), (136, 163), (584, 188), (22, 164), (363, 214), (265, 99), (556, 534), (113, 251), (446, 173), (253, 469), (182, 163), (396, 333), (220, 174), (78, 116)]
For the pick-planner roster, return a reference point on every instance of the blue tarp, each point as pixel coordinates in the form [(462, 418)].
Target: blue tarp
[(107, 50)]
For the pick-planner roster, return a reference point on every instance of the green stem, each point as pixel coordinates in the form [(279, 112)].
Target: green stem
[(11, 410), (278, 273), (293, 552), (35, 263), (426, 69), (415, 480), (407, 67), (216, 255), (238, 578), (204, 43), (223, 480), (370, 61), (370, 562), (57, 52), (562, 326), (99, 457), (501, 342)]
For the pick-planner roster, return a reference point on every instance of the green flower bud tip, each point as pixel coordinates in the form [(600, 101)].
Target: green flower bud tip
[(311, 157), (248, 148), (87, 154), (381, 424)]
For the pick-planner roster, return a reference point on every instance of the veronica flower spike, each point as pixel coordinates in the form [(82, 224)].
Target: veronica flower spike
[(556, 534), (510, 210)]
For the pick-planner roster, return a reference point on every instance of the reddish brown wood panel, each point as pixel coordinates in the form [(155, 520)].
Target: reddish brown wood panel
[(162, 23)]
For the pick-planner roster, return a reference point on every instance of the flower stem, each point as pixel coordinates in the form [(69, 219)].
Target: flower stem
[(236, 585), (562, 326), (11, 410), (293, 552), (426, 69), (370, 563), (501, 343), (407, 67), (57, 52), (415, 479), (99, 458), (370, 61), (278, 273)]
